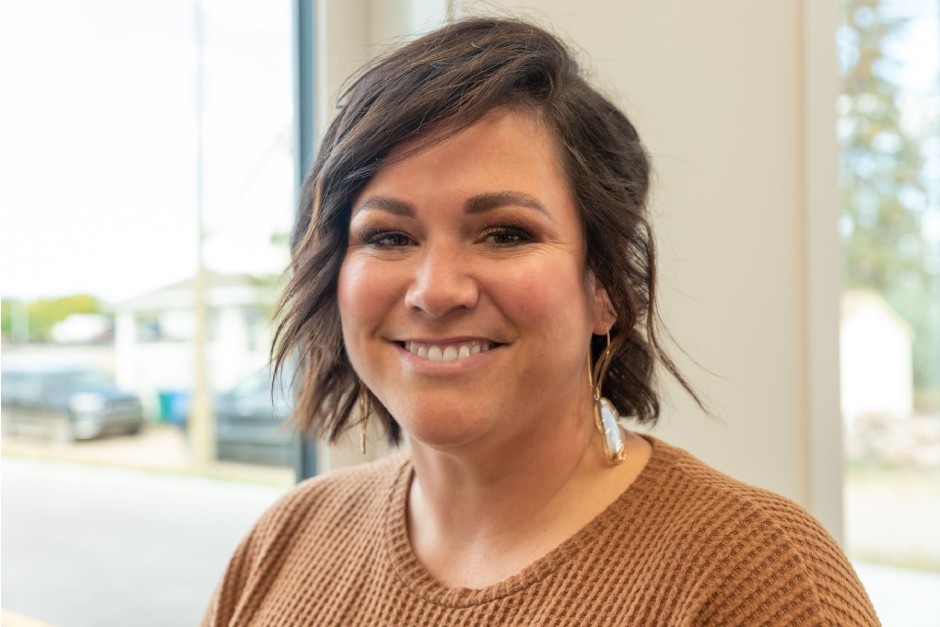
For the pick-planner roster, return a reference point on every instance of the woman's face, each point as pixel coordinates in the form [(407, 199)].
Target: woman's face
[(465, 304)]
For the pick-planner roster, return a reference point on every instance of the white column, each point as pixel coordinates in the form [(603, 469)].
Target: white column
[(125, 350)]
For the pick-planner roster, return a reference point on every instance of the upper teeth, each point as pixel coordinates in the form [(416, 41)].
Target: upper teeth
[(447, 352)]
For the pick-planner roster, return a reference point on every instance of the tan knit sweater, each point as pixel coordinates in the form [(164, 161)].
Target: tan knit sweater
[(683, 545)]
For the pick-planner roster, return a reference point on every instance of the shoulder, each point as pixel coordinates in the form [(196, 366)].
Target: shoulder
[(349, 493), (701, 487), (708, 493), (742, 509), (315, 520), (758, 551), (321, 512)]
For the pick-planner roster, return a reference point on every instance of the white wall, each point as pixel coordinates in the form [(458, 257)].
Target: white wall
[(735, 100), (350, 32)]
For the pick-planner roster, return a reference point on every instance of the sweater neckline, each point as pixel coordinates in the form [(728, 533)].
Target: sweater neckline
[(415, 577)]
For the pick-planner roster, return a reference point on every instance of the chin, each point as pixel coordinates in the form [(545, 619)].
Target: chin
[(444, 429)]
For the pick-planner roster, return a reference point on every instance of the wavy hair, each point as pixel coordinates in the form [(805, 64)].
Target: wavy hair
[(429, 90)]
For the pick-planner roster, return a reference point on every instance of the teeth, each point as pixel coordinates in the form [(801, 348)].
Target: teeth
[(447, 352)]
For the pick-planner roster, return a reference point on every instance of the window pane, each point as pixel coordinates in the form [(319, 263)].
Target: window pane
[(889, 128), (113, 142)]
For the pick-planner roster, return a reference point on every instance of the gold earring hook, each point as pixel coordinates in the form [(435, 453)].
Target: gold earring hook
[(593, 381), (363, 417)]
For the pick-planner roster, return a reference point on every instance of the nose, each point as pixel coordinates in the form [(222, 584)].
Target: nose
[(443, 283)]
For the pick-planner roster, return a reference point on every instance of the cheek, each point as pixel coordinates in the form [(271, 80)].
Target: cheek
[(551, 297), (349, 289), (358, 296), (368, 291)]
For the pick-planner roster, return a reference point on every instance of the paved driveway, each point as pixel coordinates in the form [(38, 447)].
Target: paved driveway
[(100, 547)]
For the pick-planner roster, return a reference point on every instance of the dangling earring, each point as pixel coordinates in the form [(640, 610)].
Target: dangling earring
[(606, 418), (363, 417)]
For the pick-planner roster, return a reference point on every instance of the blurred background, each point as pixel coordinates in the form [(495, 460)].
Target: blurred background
[(149, 158)]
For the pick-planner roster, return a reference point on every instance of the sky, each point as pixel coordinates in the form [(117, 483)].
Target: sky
[(98, 139), (918, 53), (98, 143)]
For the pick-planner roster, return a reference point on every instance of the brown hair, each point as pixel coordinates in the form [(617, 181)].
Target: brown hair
[(428, 90)]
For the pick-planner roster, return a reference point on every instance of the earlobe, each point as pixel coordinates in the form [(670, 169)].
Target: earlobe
[(604, 314)]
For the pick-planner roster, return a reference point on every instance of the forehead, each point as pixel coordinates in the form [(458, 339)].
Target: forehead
[(506, 150)]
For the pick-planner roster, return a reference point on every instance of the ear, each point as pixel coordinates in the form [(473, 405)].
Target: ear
[(603, 312)]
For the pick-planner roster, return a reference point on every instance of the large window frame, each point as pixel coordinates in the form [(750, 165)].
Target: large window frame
[(305, 78)]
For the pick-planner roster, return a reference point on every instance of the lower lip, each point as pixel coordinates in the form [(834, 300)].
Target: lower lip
[(423, 366)]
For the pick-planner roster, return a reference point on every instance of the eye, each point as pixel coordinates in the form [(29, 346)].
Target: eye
[(386, 239), (507, 235)]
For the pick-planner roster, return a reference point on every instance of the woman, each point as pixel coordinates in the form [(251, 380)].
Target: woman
[(475, 271)]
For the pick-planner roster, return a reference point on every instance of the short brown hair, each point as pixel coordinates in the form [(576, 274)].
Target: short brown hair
[(428, 90)]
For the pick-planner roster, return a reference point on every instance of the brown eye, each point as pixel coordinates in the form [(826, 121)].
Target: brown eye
[(387, 239), (507, 236)]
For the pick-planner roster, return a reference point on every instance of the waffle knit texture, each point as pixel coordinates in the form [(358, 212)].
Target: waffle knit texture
[(683, 545)]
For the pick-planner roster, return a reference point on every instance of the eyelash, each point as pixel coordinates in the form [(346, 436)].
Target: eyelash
[(379, 238), (521, 234)]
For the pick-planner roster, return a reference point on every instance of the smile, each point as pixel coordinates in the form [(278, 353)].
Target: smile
[(448, 352)]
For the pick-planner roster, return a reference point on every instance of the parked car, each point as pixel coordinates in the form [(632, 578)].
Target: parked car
[(66, 403), (250, 422)]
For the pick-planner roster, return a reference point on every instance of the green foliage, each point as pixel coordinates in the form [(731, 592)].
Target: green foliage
[(884, 194), (881, 163), (43, 313)]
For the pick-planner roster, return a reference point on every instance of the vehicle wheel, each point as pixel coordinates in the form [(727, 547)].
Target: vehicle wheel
[(135, 429)]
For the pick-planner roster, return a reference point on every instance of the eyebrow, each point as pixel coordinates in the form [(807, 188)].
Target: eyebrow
[(384, 203), (493, 200), (480, 203)]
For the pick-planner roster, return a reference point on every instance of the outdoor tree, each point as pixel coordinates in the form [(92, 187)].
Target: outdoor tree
[(885, 196), (42, 313)]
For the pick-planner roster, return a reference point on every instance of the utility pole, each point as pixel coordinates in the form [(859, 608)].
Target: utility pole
[(201, 419)]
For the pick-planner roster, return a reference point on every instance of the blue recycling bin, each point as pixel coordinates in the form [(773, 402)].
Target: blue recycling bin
[(174, 406)]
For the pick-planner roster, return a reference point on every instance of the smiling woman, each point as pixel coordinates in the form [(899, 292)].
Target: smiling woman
[(489, 253), (475, 270)]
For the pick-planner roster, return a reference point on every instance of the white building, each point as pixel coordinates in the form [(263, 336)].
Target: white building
[(876, 358), (153, 335)]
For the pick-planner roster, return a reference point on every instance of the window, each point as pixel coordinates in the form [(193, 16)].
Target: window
[(889, 130), (121, 123)]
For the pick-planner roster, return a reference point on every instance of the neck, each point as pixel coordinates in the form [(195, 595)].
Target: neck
[(478, 515), (484, 490)]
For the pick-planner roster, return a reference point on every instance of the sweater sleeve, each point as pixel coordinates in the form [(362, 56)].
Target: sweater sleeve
[(785, 569), (241, 577), (293, 541), (225, 597), (254, 566)]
